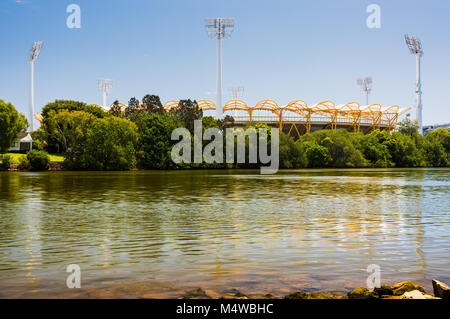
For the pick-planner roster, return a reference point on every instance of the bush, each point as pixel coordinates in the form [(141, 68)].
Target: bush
[(38, 160), (7, 160), (24, 163), (106, 144), (155, 144)]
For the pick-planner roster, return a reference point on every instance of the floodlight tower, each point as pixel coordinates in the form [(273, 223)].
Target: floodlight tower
[(34, 53), (105, 85), (366, 86), (415, 47), (236, 92), (219, 28)]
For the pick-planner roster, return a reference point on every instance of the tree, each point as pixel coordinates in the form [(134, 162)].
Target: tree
[(375, 150), (68, 129), (70, 105), (155, 144), (152, 104), (341, 147), (133, 107), (11, 124), (49, 125), (408, 127), (106, 144), (292, 153), (188, 111), (317, 155), (116, 109)]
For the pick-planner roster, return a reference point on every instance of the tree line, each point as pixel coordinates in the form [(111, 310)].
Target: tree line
[(140, 137)]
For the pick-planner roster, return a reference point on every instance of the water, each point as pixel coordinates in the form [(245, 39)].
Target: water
[(160, 233)]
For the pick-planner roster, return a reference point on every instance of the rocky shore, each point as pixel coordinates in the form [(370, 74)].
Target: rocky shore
[(401, 290)]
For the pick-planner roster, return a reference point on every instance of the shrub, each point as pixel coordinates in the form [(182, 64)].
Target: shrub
[(24, 163), (155, 144), (106, 144), (7, 160), (38, 160)]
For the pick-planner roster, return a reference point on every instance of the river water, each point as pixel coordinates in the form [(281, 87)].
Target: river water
[(161, 233)]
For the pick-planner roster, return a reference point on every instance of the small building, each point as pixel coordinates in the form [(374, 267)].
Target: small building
[(23, 143)]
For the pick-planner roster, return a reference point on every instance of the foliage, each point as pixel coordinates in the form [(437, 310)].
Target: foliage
[(341, 146), (103, 144), (188, 111), (11, 124), (24, 163), (116, 110), (292, 153), (316, 155), (152, 104), (38, 160), (154, 142), (7, 161), (52, 127)]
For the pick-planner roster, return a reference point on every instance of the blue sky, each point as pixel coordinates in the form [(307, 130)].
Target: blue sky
[(281, 50)]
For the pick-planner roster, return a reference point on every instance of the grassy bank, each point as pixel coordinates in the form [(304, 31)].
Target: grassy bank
[(15, 158)]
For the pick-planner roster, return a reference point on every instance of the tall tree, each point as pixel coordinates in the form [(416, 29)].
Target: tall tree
[(152, 104), (11, 124), (189, 111)]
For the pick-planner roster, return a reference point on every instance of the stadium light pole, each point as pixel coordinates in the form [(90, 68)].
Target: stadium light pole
[(105, 85), (219, 28), (236, 92), (366, 86), (415, 47), (34, 53)]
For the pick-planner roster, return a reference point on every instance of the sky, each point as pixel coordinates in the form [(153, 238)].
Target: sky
[(282, 50)]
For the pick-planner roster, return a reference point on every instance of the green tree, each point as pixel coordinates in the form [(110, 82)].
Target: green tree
[(316, 155), (66, 129), (116, 110), (341, 147), (188, 111), (408, 127), (106, 144), (375, 150), (54, 145), (152, 104), (292, 153), (155, 144), (133, 108), (11, 124)]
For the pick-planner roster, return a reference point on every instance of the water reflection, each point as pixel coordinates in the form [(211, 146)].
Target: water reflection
[(163, 232)]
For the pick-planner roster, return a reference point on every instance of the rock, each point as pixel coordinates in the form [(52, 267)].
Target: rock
[(198, 293), (405, 286), (362, 293), (384, 290), (416, 294), (441, 290), (310, 295)]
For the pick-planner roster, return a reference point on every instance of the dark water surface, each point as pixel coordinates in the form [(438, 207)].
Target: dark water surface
[(160, 233)]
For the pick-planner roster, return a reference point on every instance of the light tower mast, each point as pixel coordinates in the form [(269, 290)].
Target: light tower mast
[(219, 28), (105, 86), (34, 53), (236, 93), (366, 86), (415, 47)]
